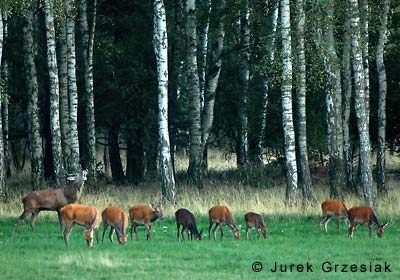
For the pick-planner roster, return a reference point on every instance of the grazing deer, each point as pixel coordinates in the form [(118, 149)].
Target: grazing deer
[(143, 215), (255, 220), (220, 215), (364, 215), (186, 218), (86, 216), (333, 208), (51, 199), (118, 220)]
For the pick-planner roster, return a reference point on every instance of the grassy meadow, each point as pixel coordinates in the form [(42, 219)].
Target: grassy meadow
[(294, 237)]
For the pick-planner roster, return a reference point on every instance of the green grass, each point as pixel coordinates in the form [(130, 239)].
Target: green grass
[(291, 239)]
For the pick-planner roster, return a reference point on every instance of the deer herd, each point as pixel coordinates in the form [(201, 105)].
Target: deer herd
[(63, 201)]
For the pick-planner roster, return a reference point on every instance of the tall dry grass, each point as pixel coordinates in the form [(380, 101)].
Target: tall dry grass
[(238, 195)]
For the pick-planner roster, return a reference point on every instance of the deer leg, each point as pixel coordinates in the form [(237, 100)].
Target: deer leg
[(110, 236), (182, 231), (323, 219), (20, 219), (209, 230), (337, 223), (187, 231), (96, 233), (105, 226), (369, 230), (132, 230), (148, 229), (247, 232), (326, 223), (33, 219), (177, 234), (67, 232), (351, 230), (135, 230), (60, 220), (215, 231), (258, 233), (222, 232)]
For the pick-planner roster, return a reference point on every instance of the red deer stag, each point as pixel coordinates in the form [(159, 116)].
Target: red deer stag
[(333, 208), (255, 220), (143, 215), (118, 220), (364, 215), (186, 219), (86, 216), (51, 199), (220, 215)]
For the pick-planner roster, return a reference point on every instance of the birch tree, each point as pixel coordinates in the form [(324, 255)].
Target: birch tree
[(244, 73), (346, 104), (301, 136), (213, 74), (5, 116), (54, 90), (29, 50), (195, 152), (203, 43), (380, 66), (360, 107), (257, 157), (364, 21), (63, 82), (72, 89), (160, 42), (2, 166), (333, 106), (287, 111), (87, 36)]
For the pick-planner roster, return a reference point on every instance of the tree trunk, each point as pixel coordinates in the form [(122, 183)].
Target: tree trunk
[(203, 43), (160, 41), (212, 78), (364, 14), (3, 191), (4, 75), (256, 155), (135, 158), (334, 108), (380, 66), (35, 141), (73, 165), (360, 108), (117, 171), (195, 152), (244, 73), (63, 81), (87, 52), (346, 108), (287, 112), (54, 91), (301, 136)]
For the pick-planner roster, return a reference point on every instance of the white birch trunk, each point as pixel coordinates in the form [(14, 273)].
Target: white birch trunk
[(35, 141), (203, 43), (244, 73), (2, 165), (63, 82), (213, 74), (364, 10), (54, 91), (195, 153), (160, 42), (73, 165), (88, 43), (380, 66), (287, 106), (301, 136), (360, 108)]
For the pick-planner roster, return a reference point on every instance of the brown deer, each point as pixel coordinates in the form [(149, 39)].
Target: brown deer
[(51, 199), (364, 215), (255, 220), (333, 208), (220, 215), (86, 216), (144, 215), (118, 220), (186, 219)]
